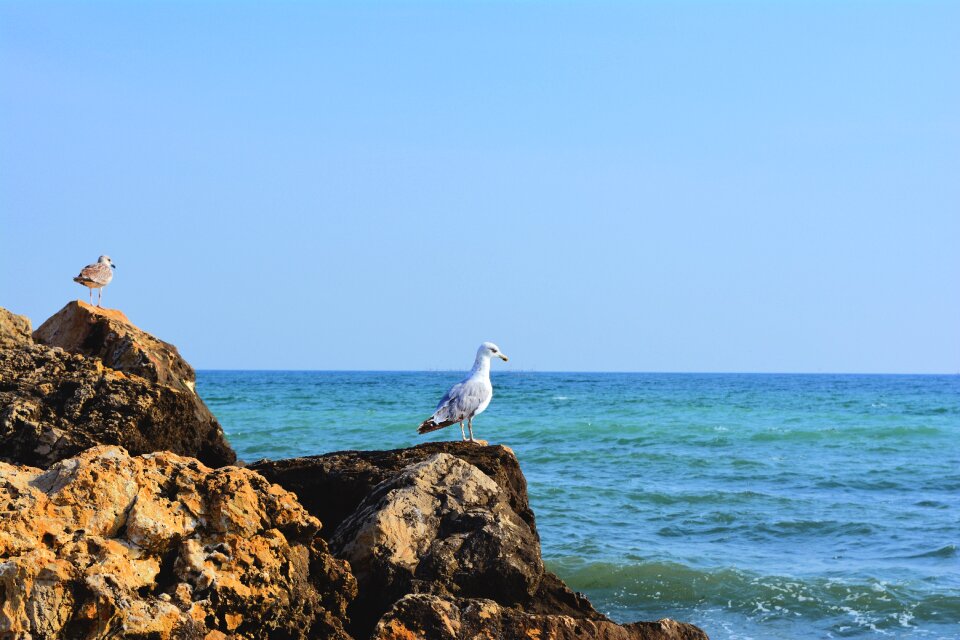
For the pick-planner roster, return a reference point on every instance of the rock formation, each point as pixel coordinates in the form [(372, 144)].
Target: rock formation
[(54, 403), (109, 335), (159, 546), (440, 526), (441, 536), (437, 618), (332, 485), (434, 542), (14, 329)]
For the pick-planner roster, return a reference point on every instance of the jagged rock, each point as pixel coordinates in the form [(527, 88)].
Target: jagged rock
[(331, 486), (371, 510), (440, 526), (14, 329), (441, 536), (159, 546), (430, 617), (54, 404), (109, 335)]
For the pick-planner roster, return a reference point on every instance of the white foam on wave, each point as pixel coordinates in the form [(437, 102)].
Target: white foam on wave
[(861, 619)]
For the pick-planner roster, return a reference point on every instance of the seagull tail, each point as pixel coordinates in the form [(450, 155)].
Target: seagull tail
[(430, 425)]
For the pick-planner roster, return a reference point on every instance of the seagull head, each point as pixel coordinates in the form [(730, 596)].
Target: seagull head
[(491, 350), (106, 260)]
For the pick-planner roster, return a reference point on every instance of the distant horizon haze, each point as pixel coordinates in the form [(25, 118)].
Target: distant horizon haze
[(665, 187)]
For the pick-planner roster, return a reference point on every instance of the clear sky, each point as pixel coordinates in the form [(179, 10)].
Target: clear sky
[(649, 186)]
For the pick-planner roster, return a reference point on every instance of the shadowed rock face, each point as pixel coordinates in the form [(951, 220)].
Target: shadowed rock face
[(451, 522), (331, 486), (439, 526), (159, 546), (54, 404), (441, 536), (438, 618)]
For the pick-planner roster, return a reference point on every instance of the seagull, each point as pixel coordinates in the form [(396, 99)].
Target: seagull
[(468, 397), (97, 276)]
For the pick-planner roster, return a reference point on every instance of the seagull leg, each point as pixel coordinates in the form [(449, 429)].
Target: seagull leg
[(463, 433), (470, 426), (91, 296), (100, 297)]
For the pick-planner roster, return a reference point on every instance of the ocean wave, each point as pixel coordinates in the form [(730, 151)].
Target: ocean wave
[(708, 497), (946, 551), (932, 411), (646, 587), (932, 504), (728, 525), (844, 433), (820, 528)]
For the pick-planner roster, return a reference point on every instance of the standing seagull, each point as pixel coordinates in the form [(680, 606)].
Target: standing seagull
[(468, 397), (97, 276)]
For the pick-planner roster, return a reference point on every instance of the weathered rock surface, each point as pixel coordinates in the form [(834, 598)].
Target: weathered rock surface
[(122, 346), (54, 404), (451, 522), (440, 526), (331, 486), (14, 329), (106, 545), (432, 617), (441, 536)]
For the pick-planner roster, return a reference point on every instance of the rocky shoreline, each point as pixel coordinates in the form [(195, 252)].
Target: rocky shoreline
[(125, 515)]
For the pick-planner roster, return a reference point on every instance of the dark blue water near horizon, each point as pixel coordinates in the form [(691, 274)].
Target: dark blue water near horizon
[(754, 505)]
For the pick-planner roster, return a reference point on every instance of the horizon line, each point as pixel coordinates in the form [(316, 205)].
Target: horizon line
[(597, 371)]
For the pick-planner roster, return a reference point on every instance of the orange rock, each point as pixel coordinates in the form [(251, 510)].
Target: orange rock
[(89, 377), (233, 620), (161, 546), (14, 329), (430, 617), (109, 335)]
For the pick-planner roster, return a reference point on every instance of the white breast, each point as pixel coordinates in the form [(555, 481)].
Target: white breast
[(486, 397)]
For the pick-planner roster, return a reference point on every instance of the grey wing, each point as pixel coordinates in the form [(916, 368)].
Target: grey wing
[(450, 393), (461, 402)]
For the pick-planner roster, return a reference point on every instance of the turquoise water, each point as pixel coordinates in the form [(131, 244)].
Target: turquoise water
[(756, 506)]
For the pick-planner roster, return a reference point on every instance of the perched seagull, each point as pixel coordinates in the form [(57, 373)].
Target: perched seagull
[(468, 397), (97, 276)]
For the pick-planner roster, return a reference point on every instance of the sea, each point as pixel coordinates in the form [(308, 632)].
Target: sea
[(757, 506)]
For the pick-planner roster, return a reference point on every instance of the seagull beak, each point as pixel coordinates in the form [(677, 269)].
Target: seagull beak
[(503, 357)]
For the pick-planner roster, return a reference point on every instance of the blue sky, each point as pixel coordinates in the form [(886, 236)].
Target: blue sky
[(684, 186)]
